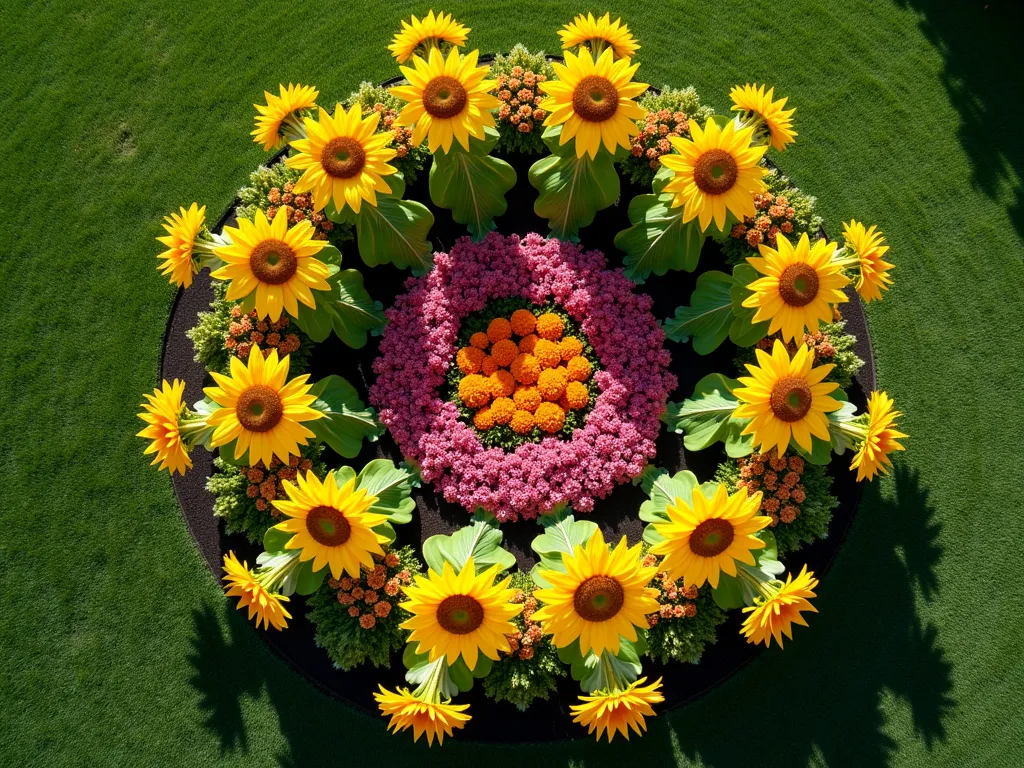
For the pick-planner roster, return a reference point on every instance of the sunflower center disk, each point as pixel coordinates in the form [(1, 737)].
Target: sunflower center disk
[(444, 97), (791, 398), (343, 157), (711, 538), (328, 526), (460, 614), (798, 285), (595, 99), (715, 172), (259, 408), (273, 262), (599, 598)]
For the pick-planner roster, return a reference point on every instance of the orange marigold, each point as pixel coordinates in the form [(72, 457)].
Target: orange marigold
[(499, 328), (576, 395), (480, 340), (523, 322), (579, 369), (527, 398), (483, 419), (488, 366), (551, 383), (502, 410), (505, 383), (550, 326), (475, 390), (469, 359), (549, 417), (547, 353), (570, 347), (526, 369), (527, 343), (504, 352), (522, 422)]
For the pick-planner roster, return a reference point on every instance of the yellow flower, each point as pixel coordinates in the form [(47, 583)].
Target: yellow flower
[(274, 261), (749, 99), (618, 711), (182, 231), (343, 159), (880, 439), (447, 98), (278, 110), (800, 286), (593, 101), (602, 596), (714, 172), (867, 244), (599, 34), (332, 525), (465, 614), (265, 605), (260, 410), (433, 718), (775, 614), (704, 539), (430, 33), (163, 412), (786, 399)]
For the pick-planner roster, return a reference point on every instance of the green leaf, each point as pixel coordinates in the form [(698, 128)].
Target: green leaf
[(820, 453), (706, 417), (393, 488), (728, 595), (461, 675), (572, 190), (562, 534), (841, 442), (274, 540), (661, 179), (346, 309), (611, 670), (419, 668), (329, 255), (708, 318), (395, 232), (744, 332), (481, 540), (663, 489), (308, 581), (347, 420), (472, 185), (767, 559), (658, 240)]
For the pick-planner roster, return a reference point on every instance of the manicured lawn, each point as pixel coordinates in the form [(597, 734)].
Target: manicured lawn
[(117, 643)]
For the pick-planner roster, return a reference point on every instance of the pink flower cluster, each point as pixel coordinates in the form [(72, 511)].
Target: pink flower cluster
[(419, 344)]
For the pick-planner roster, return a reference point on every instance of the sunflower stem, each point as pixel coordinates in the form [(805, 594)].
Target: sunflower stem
[(276, 575)]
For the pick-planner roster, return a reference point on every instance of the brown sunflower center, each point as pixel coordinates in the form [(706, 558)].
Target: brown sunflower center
[(711, 538), (798, 284), (444, 97), (273, 262), (343, 157), (599, 598), (460, 614), (791, 398), (595, 99), (259, 408), (328, 526), (715, 172)]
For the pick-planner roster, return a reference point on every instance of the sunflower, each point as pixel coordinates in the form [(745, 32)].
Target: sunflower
[(163, 414), (593, 101), (800, 286), (265, 605), (618, 711), (601, 597), (447, 98), (428, 33), (275, 261), (708, 537), (880, 438), (343, 159), (332, 525), (867, 244), (434, 718), (598, 34), (182, 232), (465, 614), (774, 614), (715, 171), (750, 100), (279, 110), (260, 410), (786, 399)]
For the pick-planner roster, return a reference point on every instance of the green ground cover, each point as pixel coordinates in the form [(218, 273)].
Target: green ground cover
[(117, 643)]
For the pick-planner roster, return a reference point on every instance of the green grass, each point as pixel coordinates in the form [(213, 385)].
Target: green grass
[(118, 646)]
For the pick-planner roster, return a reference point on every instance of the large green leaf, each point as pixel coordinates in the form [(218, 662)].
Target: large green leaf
[(610, 670), (658, 240), (393, 488), (562, 534), (419, 668), (346, 308), (572, 190), (663, 489), (395, 232), (744, 332), (472, 185), (708, 318), (706, 417), (347, 419), (480, 540)]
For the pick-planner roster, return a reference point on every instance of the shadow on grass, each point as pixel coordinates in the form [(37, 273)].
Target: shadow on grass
[(820, 699)]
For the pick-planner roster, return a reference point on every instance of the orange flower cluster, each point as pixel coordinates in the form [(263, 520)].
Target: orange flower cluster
[(522, 643), (401, 137), (299, 207), (778, 477), (675, 601), (775, 215), (245, 331), (519, 97), (524, 373), (652, 140), (372, 596), (818, 343), (265, 485)]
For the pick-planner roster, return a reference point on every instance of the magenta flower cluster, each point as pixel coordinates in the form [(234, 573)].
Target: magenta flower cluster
[(419, 345)]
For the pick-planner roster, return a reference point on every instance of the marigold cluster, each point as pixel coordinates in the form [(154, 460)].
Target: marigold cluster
[(371, 597), (674, 600), (524, 373), (523, 643), (778, 478), (247, 330), (266, 485), (652, 141), (401, 137), (299, 207), (518, 95), (774, 215)]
